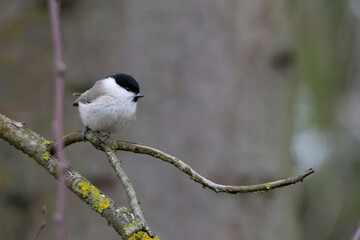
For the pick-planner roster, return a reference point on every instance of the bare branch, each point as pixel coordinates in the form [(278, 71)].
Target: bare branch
[(137, 148), (94, 138), (35, 146), (43, 223), (58, 116), (130, 192), (42, 226)]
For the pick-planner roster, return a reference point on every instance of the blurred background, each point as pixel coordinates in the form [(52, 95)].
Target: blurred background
[(242, 91)]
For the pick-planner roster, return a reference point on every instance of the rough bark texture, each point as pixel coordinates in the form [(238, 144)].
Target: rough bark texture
[(34, 145)]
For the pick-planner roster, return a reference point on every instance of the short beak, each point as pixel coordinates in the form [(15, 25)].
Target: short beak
[(139, 95)]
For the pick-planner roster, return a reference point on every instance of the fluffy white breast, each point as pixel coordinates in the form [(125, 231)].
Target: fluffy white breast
[(111, 112)]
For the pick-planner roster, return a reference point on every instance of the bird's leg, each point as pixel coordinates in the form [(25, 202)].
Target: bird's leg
[(106, 136), (84, 131)]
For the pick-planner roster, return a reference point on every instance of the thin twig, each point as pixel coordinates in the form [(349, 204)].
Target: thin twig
[(42, 226), (93, 137), (43, 223), (137, 148), (58, 116), (130, 192)]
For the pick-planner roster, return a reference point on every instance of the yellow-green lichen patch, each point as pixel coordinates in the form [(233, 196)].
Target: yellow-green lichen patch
[(97, 200), (125, 210), (142, 236), (129, 226), (46, 142), (46, 156), (268, 186)]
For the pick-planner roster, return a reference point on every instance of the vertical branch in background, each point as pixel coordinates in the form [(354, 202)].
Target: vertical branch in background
[(57, 124), (356, 234)]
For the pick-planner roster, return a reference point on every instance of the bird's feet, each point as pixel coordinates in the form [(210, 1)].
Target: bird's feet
[(84, 131), (86, 128), (106, 136)]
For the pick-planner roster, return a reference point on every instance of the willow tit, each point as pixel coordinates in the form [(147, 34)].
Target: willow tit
[(110, 105)]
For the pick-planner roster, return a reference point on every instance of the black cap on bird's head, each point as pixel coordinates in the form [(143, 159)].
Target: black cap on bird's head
[(126, 81), (129, 83)]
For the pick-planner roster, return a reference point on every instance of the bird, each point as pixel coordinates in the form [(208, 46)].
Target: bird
[(110, 105)]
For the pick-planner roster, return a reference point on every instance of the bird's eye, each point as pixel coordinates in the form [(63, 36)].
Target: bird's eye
[(128, 89)]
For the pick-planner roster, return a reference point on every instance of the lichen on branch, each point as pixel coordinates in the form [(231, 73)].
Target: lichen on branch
[(35, 146), (98, 201)]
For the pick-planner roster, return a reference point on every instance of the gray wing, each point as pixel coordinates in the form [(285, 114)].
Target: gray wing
[(90, 95)]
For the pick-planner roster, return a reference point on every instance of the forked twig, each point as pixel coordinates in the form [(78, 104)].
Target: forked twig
[(94, 137), (130, 192)]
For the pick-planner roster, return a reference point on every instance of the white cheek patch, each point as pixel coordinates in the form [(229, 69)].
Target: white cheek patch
[(116, 91)]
